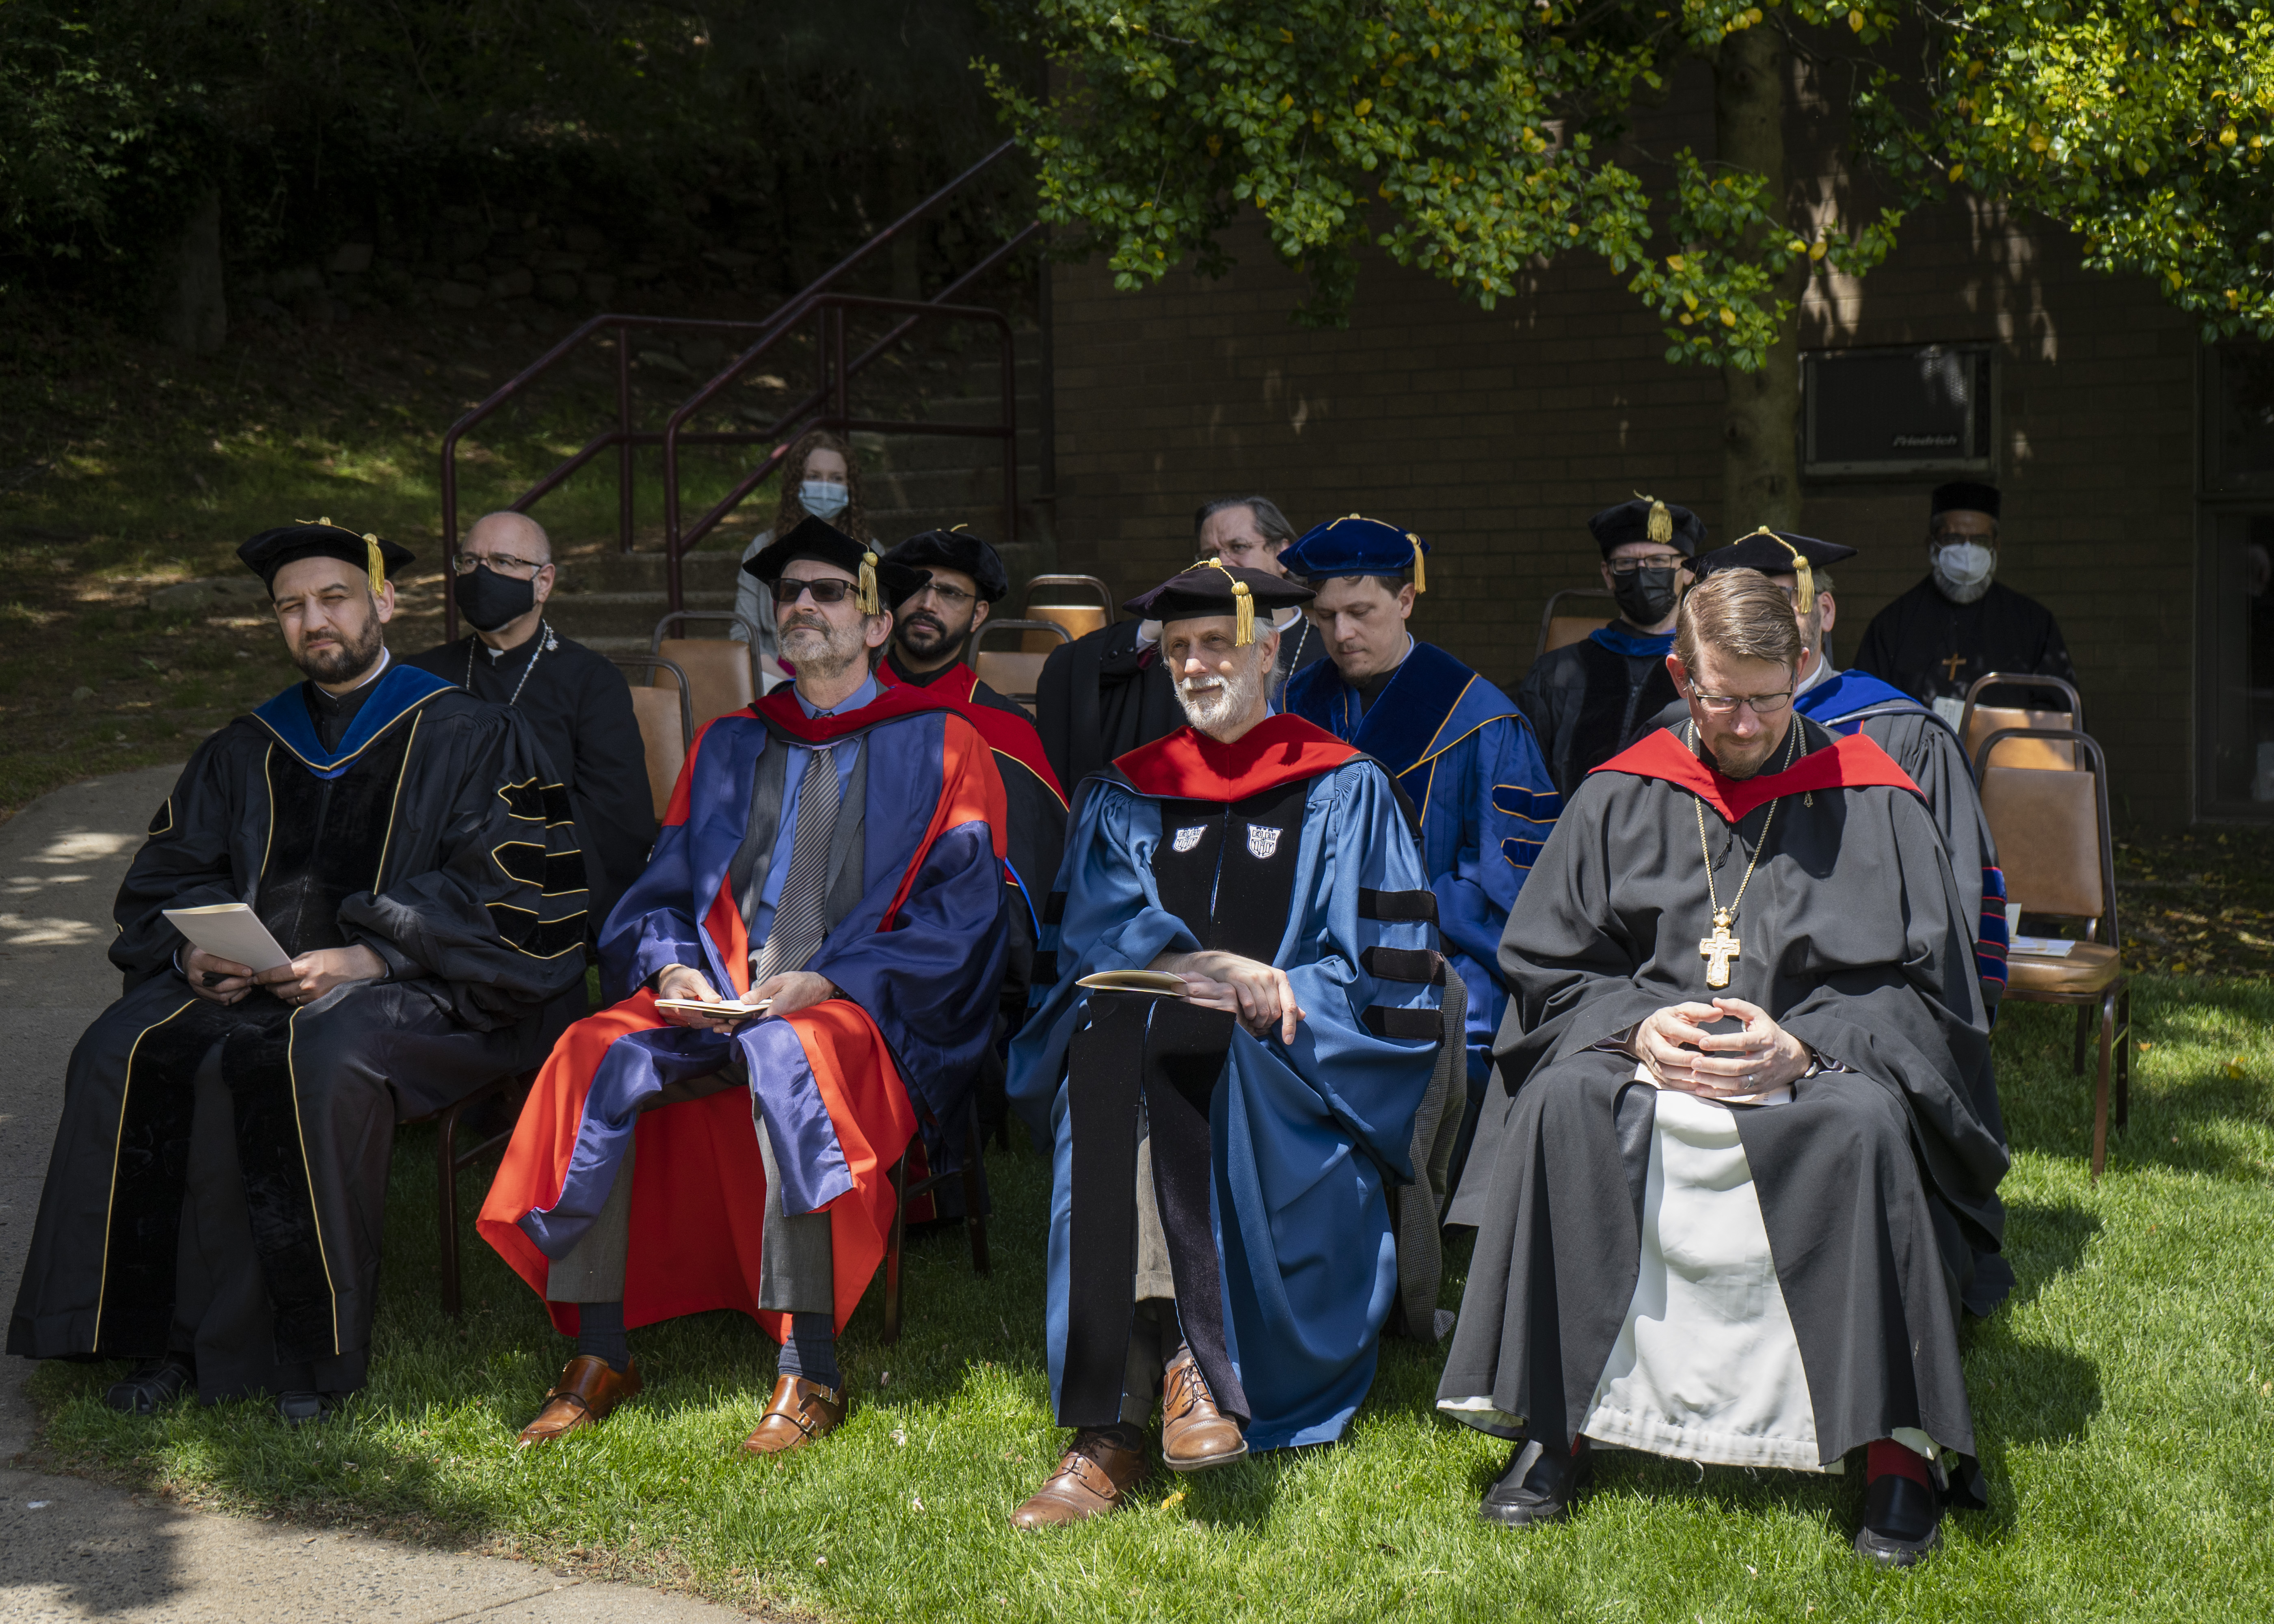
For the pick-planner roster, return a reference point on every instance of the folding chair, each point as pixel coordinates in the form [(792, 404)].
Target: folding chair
[(666, 715), (2058, 853), (1078, 618), (1559, 630), (972, 1171), (1015, 672), (1976, 722), (450, 1161), (720, 674)]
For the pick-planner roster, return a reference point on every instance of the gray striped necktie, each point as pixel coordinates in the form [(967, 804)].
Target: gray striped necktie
[(801, 916)]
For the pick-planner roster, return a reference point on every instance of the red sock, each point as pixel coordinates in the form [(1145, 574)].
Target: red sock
[(1887, 1458)]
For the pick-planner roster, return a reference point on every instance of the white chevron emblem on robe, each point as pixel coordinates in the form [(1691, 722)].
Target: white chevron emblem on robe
[(1261, 842), (1188, 839)]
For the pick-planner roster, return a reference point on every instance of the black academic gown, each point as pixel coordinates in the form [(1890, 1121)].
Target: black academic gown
[(1911, 642), (579, 705), (1101, 696), (1877, 1184), (219, 1172), (1587, 702)]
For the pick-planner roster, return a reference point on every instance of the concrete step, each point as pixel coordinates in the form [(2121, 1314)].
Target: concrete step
[(914, 452), (972, 484)]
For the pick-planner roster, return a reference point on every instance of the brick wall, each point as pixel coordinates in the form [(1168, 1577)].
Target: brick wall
[(1494, 434)]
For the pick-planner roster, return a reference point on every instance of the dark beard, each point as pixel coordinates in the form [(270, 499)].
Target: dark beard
[(347, 661), (945, 647)]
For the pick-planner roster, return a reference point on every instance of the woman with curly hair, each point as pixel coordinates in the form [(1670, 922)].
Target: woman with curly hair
[(820, 478)]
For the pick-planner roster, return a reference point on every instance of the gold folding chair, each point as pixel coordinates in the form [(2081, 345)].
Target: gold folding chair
[(1078, 618), (1978, 721), (1015, 674), (2059, 852), (720, 674), (1561, 628), (667, 723)]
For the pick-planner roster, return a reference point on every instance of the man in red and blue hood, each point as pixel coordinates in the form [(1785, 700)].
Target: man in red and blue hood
[(834, 853)]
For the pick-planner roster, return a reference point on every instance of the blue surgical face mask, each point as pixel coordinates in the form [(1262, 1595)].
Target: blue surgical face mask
[(824, 498)]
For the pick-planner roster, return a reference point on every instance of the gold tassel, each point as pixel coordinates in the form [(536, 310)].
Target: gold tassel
[(1243, 615), (867, 594), (373, 562), (1661, 526), (1806, 577), (1420, 576)]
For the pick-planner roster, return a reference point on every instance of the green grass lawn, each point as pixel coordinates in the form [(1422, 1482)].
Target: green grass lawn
[(2124, 1400)]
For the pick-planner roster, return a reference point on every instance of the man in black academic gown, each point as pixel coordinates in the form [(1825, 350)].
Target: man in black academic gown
[(575, 701), (1589, 700), (1748, 1245), (1926, 747), (213, 1207), (1960, 622), (1102, 696)]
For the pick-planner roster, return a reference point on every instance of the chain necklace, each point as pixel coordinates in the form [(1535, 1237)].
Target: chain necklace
[(546, 642), (1720, 948)]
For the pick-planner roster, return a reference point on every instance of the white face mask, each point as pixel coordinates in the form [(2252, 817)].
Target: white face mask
[(824, 498), (1963, 568)]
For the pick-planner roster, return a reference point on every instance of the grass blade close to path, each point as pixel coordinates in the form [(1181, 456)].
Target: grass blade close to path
[(2124, 1399)]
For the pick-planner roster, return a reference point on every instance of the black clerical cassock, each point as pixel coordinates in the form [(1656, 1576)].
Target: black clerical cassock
[(1875, 1181), (219, 1170)]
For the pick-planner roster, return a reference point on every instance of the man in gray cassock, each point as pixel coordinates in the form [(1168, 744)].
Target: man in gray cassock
[(1746, 1181)]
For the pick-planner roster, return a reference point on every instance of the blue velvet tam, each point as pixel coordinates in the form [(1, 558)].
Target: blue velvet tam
[(1356, 546)]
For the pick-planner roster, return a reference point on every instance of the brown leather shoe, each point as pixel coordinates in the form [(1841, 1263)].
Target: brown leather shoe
[(586, 1392), (1095, 1475), (1194, 1433), (799, 1412)]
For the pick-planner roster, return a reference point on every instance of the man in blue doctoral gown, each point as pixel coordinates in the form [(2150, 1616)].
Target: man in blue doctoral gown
[(1460, 749), (1257, 1117)]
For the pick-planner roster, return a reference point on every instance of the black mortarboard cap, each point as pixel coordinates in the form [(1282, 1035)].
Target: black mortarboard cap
[(271, 549), (956, 549), (1647, 519), (883, 585), (1778, 553), (1356, 546), (1967, 493), (1212, 588)]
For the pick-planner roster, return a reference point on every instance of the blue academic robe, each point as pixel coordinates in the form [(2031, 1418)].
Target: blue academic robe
[(1466, 758), (1302, 1135)]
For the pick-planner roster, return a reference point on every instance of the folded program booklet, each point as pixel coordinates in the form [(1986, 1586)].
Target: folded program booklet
[(1158, 981), (230, 930), (724, 1009)]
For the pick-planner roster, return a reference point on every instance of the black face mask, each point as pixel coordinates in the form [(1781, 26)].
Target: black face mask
[(489, 600), (1645, 598)]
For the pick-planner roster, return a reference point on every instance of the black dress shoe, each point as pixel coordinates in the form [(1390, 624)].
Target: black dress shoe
[(1902, 1522), (300, 1409), (154, 1384), (1538, 1485)]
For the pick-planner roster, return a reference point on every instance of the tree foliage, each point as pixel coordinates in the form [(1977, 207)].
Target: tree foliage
[(1476, 140)]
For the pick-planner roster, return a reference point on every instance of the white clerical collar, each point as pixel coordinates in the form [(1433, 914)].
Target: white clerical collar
[(1824, 673), (378, 670)]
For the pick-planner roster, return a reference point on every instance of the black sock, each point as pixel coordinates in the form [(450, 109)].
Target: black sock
[(811, 1351), (600, 1329)]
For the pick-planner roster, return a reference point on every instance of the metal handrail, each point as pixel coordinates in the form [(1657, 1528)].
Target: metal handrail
[(626, 439), (831, 391)]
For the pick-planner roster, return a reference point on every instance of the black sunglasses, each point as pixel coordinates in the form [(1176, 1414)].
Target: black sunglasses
[(789, 589)]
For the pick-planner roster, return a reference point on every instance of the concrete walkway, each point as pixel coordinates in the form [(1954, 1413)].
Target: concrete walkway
[(71, 1549)]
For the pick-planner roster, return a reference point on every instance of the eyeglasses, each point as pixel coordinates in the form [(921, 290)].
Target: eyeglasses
[(501, 563), (1629, 566), (789, 589), (950, 596), (1759, 705)]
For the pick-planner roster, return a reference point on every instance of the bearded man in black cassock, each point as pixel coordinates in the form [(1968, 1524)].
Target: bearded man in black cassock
[(1748, 1177), (213, 1207)]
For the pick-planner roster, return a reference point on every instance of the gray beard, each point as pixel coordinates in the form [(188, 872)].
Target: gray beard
[(1232, 699), (1956, 593)]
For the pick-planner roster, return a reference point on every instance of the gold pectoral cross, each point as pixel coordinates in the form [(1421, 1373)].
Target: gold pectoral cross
[(1717, 950), (1950, 664)]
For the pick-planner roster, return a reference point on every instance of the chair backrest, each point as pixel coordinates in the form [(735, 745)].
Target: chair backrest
[(717, 672), (1564, 622), (1077, 617), (1015, 674), (2053, 831), (666, 722), (1978, 721)]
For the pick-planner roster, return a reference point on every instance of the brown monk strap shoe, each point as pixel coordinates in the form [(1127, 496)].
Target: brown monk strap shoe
[(1095, 1475), (799, 1412), (586, 1392), (1194, 1433)]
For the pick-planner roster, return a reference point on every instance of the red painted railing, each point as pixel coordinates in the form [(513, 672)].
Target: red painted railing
[(826, 406)]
